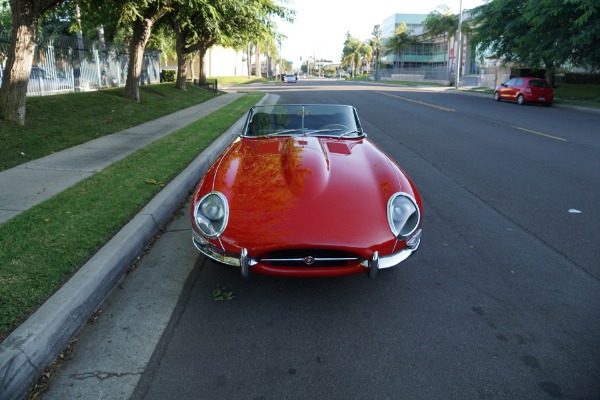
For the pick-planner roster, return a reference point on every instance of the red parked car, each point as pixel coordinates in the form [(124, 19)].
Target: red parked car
[(525, 90), (303, 193)]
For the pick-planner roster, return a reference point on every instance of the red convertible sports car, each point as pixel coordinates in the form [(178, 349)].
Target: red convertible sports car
[(303, 193)]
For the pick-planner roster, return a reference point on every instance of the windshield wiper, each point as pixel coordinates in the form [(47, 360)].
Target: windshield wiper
[(323, 131), (334, 130), (349, 133), (282, 132)]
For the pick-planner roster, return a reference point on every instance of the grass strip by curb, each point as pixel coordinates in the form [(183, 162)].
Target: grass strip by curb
[(42, 247)]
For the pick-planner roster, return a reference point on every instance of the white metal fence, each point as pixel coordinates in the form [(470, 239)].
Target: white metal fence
[(66, 64), (438, 74)]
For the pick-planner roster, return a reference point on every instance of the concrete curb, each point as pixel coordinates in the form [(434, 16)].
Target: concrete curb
[(43, 336)]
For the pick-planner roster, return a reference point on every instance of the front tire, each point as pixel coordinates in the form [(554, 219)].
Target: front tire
[(497, 96), (521, 100)]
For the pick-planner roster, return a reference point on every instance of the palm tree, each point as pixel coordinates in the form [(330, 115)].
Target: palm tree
[(401, 41), (366, 52), (351, 53), (375, 43), (441, 22)]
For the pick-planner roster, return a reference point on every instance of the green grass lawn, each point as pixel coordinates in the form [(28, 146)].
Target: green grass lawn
[(569, 91), (42, 247)]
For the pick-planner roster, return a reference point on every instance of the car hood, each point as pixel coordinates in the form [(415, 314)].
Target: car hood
[(300, 192)]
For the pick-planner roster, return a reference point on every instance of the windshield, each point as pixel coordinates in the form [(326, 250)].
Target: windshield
[(539, 83), (312, 119)]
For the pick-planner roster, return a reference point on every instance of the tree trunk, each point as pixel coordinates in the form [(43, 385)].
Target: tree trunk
[(249, 60), (550, 73), (257, 65), (201, 72), (182, 58), (13, 92), (141, 34), (142, 28), (182, 65), (191, 65)]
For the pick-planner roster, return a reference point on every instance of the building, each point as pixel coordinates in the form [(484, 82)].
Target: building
[(221, 61), (432, 59)]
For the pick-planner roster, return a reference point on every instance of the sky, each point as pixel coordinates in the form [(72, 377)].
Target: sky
[(320, 26)]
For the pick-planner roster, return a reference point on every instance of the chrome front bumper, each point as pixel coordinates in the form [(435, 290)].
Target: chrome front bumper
[(245, 262)]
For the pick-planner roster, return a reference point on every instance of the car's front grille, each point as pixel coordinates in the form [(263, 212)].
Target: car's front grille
[(309, 258)]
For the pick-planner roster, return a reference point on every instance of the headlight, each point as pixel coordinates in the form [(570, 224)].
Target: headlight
[(403, 215), (211, 214)]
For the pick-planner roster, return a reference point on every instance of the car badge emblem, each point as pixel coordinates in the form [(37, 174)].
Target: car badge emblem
[(309, 260)]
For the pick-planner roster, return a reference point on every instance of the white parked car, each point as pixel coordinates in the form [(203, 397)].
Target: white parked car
[(290, 78)]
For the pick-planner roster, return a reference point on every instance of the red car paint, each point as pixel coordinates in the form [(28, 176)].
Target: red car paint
[(525, 90), (306, 192)]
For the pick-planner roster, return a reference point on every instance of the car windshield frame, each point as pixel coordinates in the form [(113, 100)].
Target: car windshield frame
[(331, 120)]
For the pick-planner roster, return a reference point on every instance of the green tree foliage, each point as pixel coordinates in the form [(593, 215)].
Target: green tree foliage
[(351, 53), (366, 54), (5, 23), (401, 41), (585, 34), (107, 14), (199, 25), (356, 53), (375, 43), (441, 22), (540, 33)]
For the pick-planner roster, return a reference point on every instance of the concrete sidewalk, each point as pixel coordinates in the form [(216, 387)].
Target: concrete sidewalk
[(43, 336)]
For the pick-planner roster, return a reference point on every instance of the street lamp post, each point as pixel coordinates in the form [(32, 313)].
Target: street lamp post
[(459, 55)]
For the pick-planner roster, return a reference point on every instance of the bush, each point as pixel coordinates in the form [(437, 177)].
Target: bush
[(581, 78), (528, 72), (168, 75)]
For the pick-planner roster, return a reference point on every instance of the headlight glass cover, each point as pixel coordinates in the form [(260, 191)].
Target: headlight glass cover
[(211, 214), (403, 215)]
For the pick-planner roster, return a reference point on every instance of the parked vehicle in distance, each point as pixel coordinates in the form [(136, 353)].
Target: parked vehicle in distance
[(304, 193), (42, 82), (290, 78), (525, 90)]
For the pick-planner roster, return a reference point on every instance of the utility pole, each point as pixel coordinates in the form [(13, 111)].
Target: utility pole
[(459, 55)]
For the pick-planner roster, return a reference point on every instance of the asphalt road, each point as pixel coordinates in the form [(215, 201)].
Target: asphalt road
[(500, 302)]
